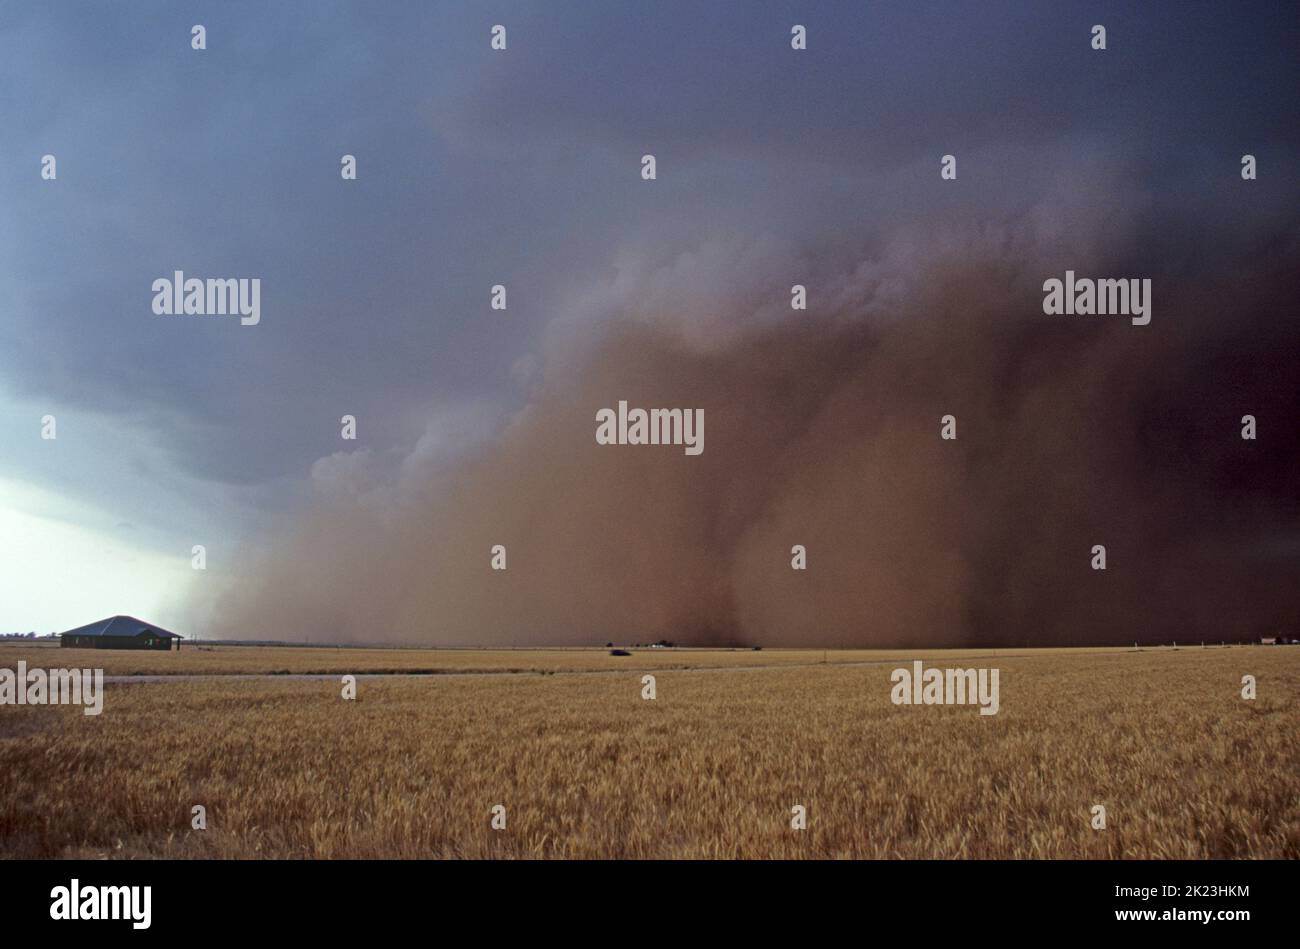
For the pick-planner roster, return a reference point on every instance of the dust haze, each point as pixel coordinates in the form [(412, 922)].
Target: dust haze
[(822, 429)]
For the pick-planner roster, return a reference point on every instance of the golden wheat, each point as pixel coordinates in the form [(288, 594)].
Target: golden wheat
[(711, 768)]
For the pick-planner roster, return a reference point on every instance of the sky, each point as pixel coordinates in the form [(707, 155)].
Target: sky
[(522, 167)]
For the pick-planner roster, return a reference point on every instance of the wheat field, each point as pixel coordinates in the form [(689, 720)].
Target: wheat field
[(587, 768)]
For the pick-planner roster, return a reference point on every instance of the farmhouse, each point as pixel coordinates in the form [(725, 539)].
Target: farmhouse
[(120, 632)]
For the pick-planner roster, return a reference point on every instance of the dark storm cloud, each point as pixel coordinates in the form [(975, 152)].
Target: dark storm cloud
[(885, 84), (521, 168)]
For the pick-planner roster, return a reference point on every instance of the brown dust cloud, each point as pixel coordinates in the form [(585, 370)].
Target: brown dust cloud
[(822, 429)]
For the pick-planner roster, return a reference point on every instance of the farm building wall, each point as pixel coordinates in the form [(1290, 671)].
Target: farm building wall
[(116, 642)]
